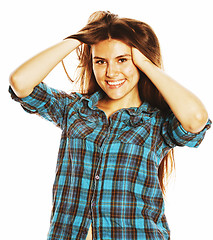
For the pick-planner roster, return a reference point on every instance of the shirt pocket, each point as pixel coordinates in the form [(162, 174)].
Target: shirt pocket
[(135, 135), (80, 127)]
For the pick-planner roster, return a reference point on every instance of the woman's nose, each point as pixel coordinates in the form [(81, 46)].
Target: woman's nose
[(112, 70)]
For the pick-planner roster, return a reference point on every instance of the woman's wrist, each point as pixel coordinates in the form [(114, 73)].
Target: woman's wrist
[(74, 43)]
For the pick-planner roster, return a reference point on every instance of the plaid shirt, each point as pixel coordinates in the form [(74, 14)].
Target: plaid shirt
[(107, 169)]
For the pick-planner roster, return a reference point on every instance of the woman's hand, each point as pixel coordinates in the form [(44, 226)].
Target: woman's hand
[(139, 59)]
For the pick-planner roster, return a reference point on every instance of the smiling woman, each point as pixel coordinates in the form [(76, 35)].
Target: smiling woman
[(118, 131)]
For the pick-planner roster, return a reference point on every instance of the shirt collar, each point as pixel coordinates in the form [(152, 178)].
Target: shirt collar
[(133, 111), (92, 99), (145, 107)]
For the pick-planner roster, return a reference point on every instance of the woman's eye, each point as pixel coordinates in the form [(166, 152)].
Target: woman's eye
[(121, 60), (100, 62)]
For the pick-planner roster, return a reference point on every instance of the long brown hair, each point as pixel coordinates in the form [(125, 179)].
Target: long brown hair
[(105, 25)]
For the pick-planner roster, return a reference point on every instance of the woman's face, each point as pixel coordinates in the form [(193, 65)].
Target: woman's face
[(115, 71)]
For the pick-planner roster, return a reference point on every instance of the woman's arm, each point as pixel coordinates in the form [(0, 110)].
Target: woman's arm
[(188, 109), (33, 71)]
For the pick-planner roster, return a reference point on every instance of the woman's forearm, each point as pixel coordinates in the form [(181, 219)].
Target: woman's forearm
[(33, 71), (188, 109)]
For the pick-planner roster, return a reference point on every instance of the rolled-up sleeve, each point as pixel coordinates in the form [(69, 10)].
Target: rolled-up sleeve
[(174, 134), (47, 102)]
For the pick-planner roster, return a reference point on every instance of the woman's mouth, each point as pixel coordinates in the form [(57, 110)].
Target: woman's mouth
[(115, 84)]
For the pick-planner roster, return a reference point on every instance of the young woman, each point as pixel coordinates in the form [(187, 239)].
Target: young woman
[(118, 132)]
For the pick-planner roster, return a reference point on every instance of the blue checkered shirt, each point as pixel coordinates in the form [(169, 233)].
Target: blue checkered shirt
[(107, 169)]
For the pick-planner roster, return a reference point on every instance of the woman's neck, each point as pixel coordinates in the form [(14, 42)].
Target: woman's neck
[(110, 106)]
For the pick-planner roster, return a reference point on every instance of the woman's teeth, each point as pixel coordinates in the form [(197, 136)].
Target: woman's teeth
[(115, 83)]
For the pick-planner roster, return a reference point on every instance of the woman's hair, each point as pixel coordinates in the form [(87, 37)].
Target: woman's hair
[(104, 25)]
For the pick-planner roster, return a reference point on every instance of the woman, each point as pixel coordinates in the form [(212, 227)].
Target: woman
[(118, 133)]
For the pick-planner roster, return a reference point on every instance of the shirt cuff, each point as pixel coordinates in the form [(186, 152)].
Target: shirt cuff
[(185, 138), (36, 100)]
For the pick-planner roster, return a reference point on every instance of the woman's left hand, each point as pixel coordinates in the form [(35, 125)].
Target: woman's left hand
[(139, 59)]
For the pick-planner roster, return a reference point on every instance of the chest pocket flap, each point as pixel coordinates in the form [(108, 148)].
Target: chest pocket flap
[(80, 128), (136, 135)]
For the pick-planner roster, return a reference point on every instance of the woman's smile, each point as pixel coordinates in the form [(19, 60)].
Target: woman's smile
[(115, 83)]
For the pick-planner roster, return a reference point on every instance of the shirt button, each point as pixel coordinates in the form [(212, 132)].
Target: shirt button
[(93, 204), (97, 177)]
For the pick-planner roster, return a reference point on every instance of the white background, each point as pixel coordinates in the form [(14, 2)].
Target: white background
[(29, 144)]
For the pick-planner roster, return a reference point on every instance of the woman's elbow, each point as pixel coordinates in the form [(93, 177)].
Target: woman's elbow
[(197, 122), (18, 87)]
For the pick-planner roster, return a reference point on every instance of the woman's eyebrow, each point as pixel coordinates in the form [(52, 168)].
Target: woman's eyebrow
[(124, 55), (120, 56), (96, 57)]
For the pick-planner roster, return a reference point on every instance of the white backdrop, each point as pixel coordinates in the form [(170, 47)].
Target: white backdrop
[(29, 144)]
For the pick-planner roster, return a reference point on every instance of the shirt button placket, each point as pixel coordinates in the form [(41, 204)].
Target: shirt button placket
[(97, 177)]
